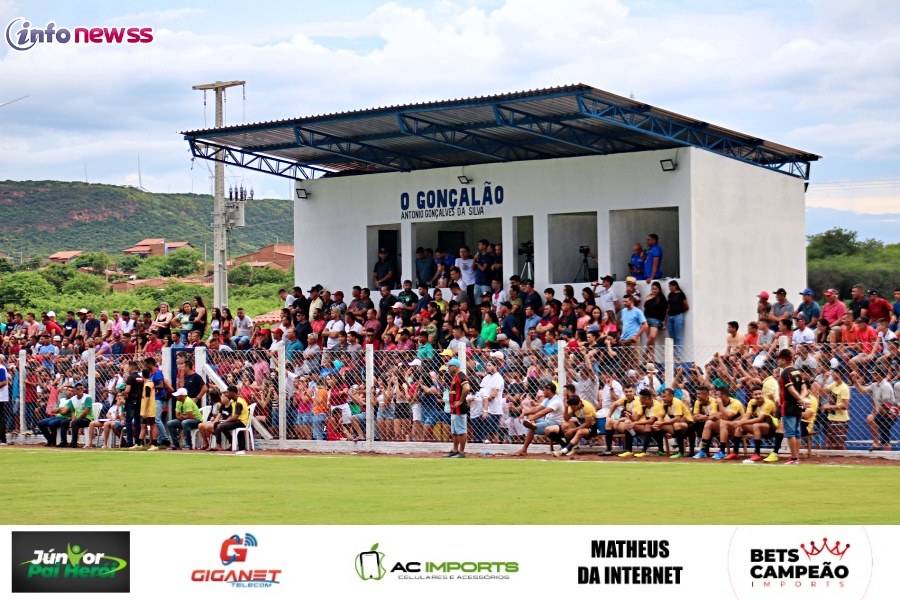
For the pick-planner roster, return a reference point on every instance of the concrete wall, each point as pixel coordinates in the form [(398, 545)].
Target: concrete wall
[(725, 211), (568, 232)]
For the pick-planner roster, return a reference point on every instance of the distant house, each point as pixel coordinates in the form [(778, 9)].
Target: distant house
[(158, 282), (154, 247), (64, 258), (279, 256)]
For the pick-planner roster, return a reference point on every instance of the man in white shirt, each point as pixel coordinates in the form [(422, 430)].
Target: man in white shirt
[(487, 406), (466, 265), (548, 413), (287, 297), (607, 298), (612, 391), (333, 329), (127, 323), (241, 329), (650, 381), (803, 334)]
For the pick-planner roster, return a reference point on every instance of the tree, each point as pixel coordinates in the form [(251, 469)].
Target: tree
[(838, 242), (32, 264), (151, 267), (129, 262), (7, 266), (241, 275), (84, 284), (16, 288), (57, 274), (184, 261), (100, 263)]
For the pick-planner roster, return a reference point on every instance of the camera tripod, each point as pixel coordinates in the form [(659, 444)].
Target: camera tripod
[(528, 269), (584, 272)]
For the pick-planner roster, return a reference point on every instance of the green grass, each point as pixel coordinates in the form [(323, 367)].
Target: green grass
[(117, 487)]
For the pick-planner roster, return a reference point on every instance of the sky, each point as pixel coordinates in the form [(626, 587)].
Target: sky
[(822, 76)]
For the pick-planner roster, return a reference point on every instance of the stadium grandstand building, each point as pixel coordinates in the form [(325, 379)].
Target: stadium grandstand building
[(564, 168)]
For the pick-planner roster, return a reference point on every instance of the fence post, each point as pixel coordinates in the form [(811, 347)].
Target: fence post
[(166, 366), (283, 404), (669, 362), (560, 365), (23, 363), (370, 392), (461, 356), (200, 366), (92, 374)]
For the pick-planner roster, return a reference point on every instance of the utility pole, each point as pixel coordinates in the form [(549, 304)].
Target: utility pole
[(220, 249)]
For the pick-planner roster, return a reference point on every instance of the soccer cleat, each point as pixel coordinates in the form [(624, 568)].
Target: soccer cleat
[(719, 455), (771, 458), (793, 461), (731, 456), (607, 453), (753, 459), (560, 452), (659, 453), (677, 455), (451, 455), (701, 454), (626, 455), (640, 455), (151, 448), (571, 451)]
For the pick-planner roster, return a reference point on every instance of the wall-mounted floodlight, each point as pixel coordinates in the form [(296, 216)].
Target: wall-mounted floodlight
[(302, 194), (668, 164), (464, 179)]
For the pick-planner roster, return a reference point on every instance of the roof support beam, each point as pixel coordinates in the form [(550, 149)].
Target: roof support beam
[(558, 131), (468, 141), (692, 135), (250, 160), (359, 151)]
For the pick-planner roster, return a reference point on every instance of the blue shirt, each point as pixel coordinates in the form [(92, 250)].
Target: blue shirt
[(551, 349), (810, 312), (293, 349), (157, 378), (529, 323), (484, 277), (631, 322), (448, 262), (897, 309), (653, 251), (510, 321), (637, 263), (425, 269)]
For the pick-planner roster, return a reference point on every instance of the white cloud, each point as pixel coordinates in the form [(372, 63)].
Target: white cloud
[(171, 14)]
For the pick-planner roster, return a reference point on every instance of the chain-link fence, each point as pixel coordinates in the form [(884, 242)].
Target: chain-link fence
[(516, 395)]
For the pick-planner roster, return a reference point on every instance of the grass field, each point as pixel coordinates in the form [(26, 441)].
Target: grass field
[(48, 486)]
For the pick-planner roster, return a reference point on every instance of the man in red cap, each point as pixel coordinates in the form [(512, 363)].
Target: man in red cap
[(763, 306)]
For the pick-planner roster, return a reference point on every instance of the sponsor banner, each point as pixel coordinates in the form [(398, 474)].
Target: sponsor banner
[(820, 562)]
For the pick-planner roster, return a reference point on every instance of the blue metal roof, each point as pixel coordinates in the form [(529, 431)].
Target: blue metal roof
[(574, 120)]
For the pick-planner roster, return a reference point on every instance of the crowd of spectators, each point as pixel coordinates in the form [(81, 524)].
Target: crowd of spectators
[(511, 335)]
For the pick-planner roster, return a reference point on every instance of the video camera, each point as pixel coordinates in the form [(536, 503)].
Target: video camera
[(585, 250), (526, 248)]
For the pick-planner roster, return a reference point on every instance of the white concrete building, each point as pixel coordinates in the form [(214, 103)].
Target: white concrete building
[(564, 168)]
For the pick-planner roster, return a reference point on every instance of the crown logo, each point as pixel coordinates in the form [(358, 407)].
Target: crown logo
[(815, 550)]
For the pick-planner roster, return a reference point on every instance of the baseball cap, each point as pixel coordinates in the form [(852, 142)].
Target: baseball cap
[(415, 363), (608, 278), (567, 332), (79, 384), (380, 250), (397, 305), (497, 354), (501, 337), (872, 292), (763, 295), (339, 293), (831, 292), (180, 392), (82, 311), (801, 316), (424, 314), (57, 338), (807, 292), (50, 313), (448, 352), (781, 291), (277, 330), (453, 363), (786, 354)]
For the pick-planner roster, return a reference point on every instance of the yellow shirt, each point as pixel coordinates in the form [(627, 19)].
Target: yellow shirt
[(765, 408), (841, 395), (148, 400), (814, 407), (585, 412), (770, 389), (678, 409), (701, 409), (623, 402), (642, 412), (734, 407)]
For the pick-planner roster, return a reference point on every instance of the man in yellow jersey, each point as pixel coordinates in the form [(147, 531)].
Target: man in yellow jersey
[(619, 413), (732, 411), (759, 420), (704, 408), (676, 420), (645, 414), (810, 411), (723, 408), (240, 417), (584, 427), (839, 416)]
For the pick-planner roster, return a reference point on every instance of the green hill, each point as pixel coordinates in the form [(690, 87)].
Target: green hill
[(43, 217)]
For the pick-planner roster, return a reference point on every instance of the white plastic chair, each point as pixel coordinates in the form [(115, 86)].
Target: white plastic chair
[(96, 408), (247, 431), (204, 415)]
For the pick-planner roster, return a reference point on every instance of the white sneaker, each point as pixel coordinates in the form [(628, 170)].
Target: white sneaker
[(559, 452), (572, 451)]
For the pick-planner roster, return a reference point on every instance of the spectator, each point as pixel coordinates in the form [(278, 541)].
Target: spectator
[(315, 302), (444, 261), (58, 419), (878, 308), (833, 310), (241, 330), (466, 265), (609, 301), (838, 413), (803, 334), (634, 325), (134, 385), (426, 267), (677, 307), (734, 341), (287, 298), (781, 308), (199, 316), (407, 298), (81, 413), (809, 307), (653, 261), (238, 416), (636, 264), (187, 418), (883, 415), (384, 272), (484, 261), (5, 404)]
